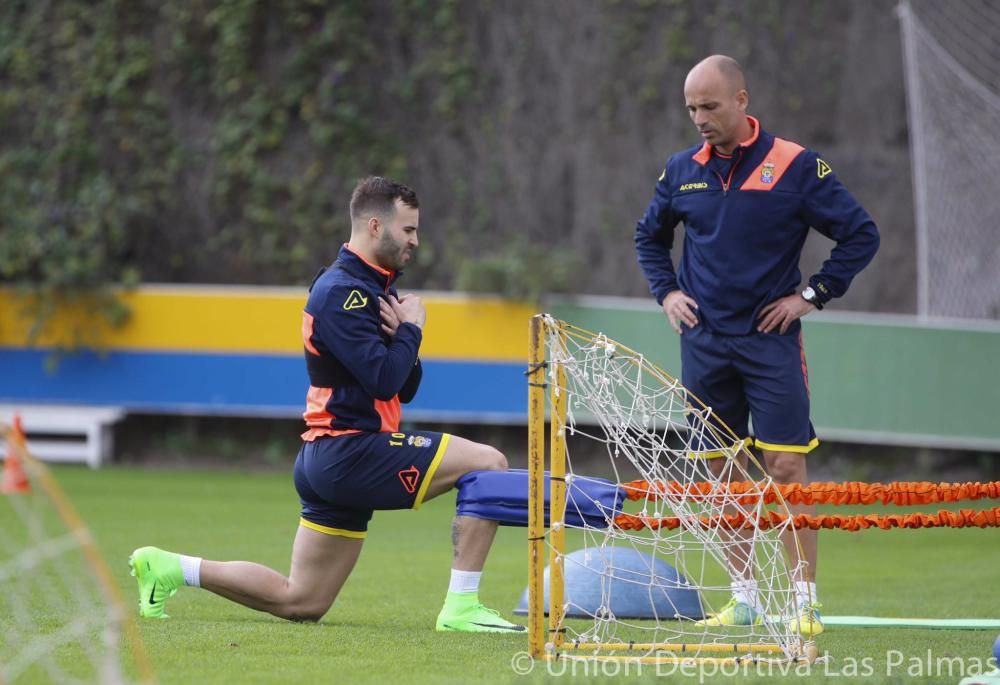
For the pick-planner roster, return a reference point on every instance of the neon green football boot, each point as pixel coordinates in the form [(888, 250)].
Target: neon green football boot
[(734, 613), (158, 574), (809, 622), (463, 613)]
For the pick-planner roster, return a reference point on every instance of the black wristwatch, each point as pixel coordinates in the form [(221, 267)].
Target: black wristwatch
[(810, 296)]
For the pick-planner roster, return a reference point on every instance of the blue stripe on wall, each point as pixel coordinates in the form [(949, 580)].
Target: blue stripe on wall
[(269, 385)]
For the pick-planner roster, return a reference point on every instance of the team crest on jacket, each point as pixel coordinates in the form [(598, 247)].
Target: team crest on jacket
[(419, 441), (767, 172)]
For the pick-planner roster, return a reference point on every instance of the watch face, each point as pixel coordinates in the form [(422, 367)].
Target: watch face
[(809, 294)]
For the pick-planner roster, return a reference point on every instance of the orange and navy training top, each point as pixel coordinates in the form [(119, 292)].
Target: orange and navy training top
[(358, 374), (746, 217)]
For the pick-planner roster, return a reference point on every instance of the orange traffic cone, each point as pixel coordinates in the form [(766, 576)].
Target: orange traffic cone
[(14, 478)]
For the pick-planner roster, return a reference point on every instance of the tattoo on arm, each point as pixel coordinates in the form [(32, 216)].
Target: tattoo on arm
[(454, 538)]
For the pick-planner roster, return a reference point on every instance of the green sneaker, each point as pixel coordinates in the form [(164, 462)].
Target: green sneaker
[(463, 613), (733, 614), (809, 622), (159, 575)]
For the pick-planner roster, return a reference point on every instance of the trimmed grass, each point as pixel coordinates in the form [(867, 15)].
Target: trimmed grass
[(381, 629)]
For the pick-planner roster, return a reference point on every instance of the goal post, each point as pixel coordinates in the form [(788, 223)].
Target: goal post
[(615, 417)]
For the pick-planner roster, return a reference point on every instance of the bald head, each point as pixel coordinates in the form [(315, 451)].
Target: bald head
[(721, 67), (716, 96)]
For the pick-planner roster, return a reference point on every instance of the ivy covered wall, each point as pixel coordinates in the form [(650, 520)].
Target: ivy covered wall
[(196, 141)]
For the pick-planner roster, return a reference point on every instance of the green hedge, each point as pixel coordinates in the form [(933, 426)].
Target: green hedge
[(185, 140)]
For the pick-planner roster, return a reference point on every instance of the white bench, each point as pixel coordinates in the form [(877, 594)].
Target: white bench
[(84, 433)]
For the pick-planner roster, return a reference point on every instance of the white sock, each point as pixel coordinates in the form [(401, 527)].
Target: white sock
[(464, 581), (745, 591), (191, 567), (805, 593)]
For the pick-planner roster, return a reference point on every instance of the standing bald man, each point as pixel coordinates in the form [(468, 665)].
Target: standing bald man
[(747, 200)]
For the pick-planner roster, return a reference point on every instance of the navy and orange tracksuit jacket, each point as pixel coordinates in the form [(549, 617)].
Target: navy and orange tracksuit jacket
[(745, 222), (358, 375)]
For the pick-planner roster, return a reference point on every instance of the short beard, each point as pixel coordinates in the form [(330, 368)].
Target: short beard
[(388, 253)]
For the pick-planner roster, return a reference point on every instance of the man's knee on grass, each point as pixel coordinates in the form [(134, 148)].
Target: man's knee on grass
[(305, 610)]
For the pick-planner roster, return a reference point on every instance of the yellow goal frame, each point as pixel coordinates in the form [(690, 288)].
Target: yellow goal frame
[(546, 640)]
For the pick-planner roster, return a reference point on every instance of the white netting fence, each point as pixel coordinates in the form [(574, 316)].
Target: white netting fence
[(60, 617), (627, 420), (952, 66)]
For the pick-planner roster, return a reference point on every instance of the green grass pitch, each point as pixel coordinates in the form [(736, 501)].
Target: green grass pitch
[(381, 629)]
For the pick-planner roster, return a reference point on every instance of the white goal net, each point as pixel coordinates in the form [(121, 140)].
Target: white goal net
[(681, 532), (952, 64), (62, 619)]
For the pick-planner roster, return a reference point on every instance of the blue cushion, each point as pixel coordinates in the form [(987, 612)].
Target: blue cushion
[(502, 496)]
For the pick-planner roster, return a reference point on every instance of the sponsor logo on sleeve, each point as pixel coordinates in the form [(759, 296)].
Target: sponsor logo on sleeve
[(355, 300)]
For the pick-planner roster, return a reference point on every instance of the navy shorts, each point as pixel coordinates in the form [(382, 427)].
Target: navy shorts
[(761, 376), (343, 480)]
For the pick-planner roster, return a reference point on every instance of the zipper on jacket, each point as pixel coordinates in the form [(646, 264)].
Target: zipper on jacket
[(732, 169)]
